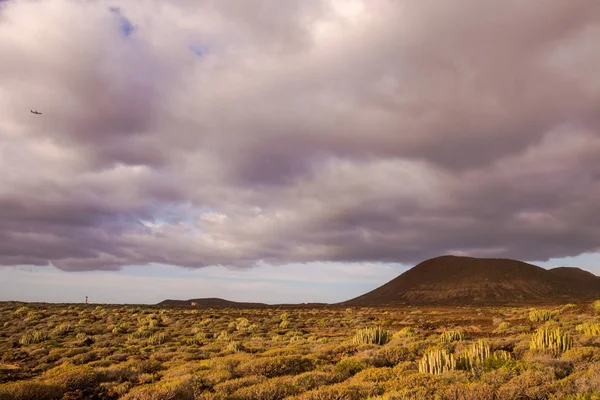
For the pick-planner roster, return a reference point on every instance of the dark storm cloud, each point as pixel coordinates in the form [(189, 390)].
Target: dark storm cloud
[(333, 130)]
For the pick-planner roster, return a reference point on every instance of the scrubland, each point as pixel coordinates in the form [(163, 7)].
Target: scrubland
[(146, 352)]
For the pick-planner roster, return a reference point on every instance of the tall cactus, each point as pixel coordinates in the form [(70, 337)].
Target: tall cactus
[(475, 355), (437, 362), (451, 336), (553, 340), (540, 315), (376, 335), (590, 329)]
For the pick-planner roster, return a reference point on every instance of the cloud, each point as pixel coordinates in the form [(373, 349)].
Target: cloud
[(331, 130)]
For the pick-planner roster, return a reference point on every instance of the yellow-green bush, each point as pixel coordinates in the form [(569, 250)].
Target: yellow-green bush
[(344, 390), (34, 337), (596, 306), (30, 390), (348, 367), (275, 366), (230, 386), (276, 388), (407, 331)]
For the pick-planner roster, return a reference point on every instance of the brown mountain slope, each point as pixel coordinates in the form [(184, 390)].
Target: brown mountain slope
[(467, 280), (209, 303)]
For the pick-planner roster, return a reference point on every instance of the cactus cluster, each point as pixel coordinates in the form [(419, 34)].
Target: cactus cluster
[(376, 335), (590, 329), (475, 355), (437, 362), (553, 340), (451, 336), (540, 315), (473, 358)]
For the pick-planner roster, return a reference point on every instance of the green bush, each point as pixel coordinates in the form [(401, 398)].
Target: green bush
[(348, 367)]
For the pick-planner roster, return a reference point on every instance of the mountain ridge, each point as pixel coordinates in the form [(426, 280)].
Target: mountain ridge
[(467, 280)]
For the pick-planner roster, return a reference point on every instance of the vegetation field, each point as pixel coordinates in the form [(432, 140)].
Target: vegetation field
[(51, 351)]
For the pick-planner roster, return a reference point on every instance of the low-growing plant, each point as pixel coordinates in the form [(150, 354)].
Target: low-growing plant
[(407, 331), (34, 337), (235, 347), (156, 339), (596, 306)]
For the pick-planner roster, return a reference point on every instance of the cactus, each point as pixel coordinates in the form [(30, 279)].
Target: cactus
[(590, 329), (540, 315), (553, 340), (437, 362), (475, 355), (502, 355), (596, 306), (451, 336), (371, 336)]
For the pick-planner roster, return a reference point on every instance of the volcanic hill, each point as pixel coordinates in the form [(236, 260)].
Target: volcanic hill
[(449, 280), (212, 302)]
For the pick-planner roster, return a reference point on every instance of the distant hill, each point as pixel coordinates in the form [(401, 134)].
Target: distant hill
[(467, 280), (209, 303)]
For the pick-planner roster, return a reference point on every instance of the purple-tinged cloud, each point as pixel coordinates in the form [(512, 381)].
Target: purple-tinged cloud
[(331, 130)]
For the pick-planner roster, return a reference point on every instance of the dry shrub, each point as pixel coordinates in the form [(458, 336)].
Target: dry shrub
[(276, 366), (272, 389), (376, 375), (388, 356), (345, 390), (230, 386), (72, 377), (313, 379), (28, 390), (349, 367), (180, 390), (582, 355), (529, 385), (468, 391)]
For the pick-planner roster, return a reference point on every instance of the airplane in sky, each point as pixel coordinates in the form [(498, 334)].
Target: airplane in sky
[(35, 112)]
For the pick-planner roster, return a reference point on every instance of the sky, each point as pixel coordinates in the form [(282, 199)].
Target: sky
[(297, 151)]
